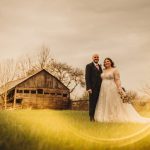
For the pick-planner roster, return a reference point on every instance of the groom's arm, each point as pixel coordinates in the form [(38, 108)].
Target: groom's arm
[(88, 77)]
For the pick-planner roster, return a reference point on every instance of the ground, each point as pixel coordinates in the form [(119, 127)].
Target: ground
[(68, 130)]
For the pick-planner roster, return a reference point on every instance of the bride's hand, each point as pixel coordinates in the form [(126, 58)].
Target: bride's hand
[(121, 91)]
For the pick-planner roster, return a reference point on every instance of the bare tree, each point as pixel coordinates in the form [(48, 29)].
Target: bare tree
[(132, 94), (85, 96), (76, 79), (60, 70), (146, 90), (71, 77), (25, 65), (43, 57), (30, 64), (8, 69)]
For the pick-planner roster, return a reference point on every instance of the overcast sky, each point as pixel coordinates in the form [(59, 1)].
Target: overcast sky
[(75, 29)]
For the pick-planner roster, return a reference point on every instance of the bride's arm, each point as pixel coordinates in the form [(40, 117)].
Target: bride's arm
[(117, 80)]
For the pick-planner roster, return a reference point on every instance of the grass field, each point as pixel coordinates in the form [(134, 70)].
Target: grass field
[(68, 130)]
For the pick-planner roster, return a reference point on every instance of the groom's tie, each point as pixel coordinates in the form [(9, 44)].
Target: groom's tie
[(97, 66)]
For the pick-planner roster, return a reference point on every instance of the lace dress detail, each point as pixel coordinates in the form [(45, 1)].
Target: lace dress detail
[(110, 107)]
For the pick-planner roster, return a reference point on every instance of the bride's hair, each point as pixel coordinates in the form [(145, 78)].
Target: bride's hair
[(112, 63)]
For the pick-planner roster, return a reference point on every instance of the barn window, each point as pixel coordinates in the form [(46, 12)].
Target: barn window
[(26, 91), (40, 91), (19, 101), (33, 91), (59, 94), (65, 95), (19, 91), (46, 92), (53, 94)]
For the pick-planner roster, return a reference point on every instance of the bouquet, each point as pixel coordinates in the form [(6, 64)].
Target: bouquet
[(124, 96)]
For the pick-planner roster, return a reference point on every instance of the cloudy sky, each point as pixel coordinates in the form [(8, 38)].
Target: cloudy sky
[(75, 29)]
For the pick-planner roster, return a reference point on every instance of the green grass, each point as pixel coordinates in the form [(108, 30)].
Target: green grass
[(67, 130)]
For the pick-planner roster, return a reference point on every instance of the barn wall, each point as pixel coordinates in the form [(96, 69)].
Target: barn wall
[(42, 80), (50, 98)]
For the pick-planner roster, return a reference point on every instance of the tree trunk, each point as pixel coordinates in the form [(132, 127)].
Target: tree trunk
[(14, 106), (5, 100)]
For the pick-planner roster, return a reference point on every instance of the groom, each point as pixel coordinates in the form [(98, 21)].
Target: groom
[(93, 83)]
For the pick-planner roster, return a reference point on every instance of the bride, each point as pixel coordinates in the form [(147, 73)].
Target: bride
[(110, 107)]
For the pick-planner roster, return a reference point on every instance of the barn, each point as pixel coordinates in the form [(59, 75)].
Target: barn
[(40, 90)]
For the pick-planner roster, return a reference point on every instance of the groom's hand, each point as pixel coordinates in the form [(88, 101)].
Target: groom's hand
[(90, 91)]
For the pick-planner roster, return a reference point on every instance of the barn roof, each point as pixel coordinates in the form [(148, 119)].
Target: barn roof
[(12, 84)]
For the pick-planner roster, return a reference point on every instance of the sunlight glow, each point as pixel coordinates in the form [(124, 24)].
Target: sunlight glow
[(114, 141)]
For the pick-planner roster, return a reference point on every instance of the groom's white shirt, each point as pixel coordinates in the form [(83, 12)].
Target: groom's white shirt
[(96, 65)]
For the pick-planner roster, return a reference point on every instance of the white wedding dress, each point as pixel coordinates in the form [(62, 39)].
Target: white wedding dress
[(110, 107)]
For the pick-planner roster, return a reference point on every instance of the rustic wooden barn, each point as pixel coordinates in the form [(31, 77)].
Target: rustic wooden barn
[(40, 90)]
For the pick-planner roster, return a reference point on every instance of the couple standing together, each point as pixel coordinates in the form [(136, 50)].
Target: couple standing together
[(104, 86)]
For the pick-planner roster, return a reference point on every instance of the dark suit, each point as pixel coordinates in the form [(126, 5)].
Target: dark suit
[(93, 82)]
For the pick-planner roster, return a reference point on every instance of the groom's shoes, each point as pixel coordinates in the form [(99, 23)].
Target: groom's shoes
[(92, 119)]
